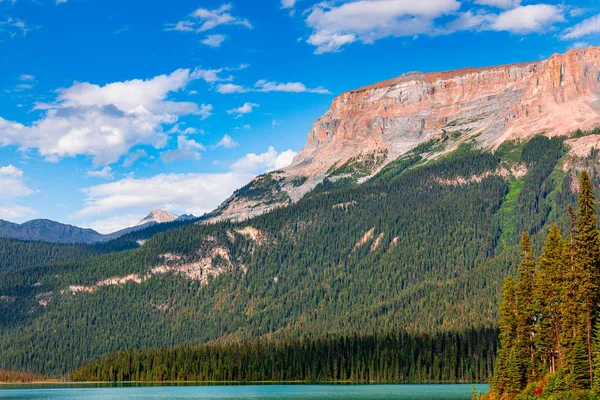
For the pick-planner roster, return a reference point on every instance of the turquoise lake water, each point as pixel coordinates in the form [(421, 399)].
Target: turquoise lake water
[(242, 392)]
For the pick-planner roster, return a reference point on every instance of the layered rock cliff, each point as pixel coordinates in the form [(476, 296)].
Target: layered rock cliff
[(369, 127)]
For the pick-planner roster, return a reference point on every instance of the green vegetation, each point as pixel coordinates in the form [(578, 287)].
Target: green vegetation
[(507, 213), (390, 358), (433, 265), (549, 337)]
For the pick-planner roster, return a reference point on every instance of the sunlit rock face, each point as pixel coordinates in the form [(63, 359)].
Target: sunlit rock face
[(490, 105)]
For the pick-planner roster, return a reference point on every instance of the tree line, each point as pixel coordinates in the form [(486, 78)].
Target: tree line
[(548, 319), (394, 357)]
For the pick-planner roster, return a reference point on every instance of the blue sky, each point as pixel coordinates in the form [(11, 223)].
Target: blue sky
[(111, 108)]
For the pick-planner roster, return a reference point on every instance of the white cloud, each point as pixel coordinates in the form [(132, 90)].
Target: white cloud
[(185, 131), (265, 86), (179, 193), (104, 173), (227, 142), (580, 45), (228, 88), (15, 212), (291, 87), (203, 20), (247, 108), (499, 3), (134, 156), (187, 149), (205, 110), (11, 170), (210, 75), (288, 3), (12, 183), (214, 40), (371, 20), (115, 223), (61, 1), (536, 18), (26, 77), (104, 122), (270, 160), (13, 27), (470, 20), (189, 193), (584, 28)]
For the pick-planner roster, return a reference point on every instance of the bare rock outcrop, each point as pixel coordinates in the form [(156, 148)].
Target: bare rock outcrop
[(490, 105)]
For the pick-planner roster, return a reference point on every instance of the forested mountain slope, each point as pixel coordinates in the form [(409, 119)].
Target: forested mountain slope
[(419, 248)]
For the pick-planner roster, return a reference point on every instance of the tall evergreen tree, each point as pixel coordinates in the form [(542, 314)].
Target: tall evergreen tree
[(549, 281), (526, 308), (580, 375), (587, 260), (596, 380), (569, 299), (508, 338)]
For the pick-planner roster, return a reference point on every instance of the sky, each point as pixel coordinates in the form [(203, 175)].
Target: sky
[(110, 108)]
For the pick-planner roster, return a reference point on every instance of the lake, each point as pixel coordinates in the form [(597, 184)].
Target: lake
[(242, 392)]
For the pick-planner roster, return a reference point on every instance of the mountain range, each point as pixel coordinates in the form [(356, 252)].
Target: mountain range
[(55, 232), (402, 213)]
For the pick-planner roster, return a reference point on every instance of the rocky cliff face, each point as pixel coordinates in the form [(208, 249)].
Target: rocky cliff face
[(376, 124)]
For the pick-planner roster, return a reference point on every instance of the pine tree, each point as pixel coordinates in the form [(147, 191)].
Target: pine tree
[(580, 375), (587, 260), (569, 299), (514, 373), (549, 282), (596, 380), (508, 337), (526, 308)]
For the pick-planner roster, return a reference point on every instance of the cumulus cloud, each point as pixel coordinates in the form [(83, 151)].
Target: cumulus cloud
[(104, 122), (187, 149), (13, 187), (12, 183), (247, 108), (370, 20), (270, 160), (194, 193), (190, 193), (104, 173), (114, 224), (227, 142), (26, 77), (584, 28), (15, 212), (214, 40), (229, 88), (528, 19), (132, 157), (288, 3), (203, 20)]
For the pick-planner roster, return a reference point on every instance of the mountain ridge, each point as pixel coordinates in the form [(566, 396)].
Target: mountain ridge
[(46, 230), (370, 127)]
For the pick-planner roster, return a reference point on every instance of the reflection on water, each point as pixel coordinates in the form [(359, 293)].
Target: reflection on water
[(238, 392)]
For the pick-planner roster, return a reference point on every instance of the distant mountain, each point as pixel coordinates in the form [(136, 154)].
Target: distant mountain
[(157, 216), (45, 230)]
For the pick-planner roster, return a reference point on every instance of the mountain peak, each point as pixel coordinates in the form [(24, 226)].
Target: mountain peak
[(369, 127), (158, 216)]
